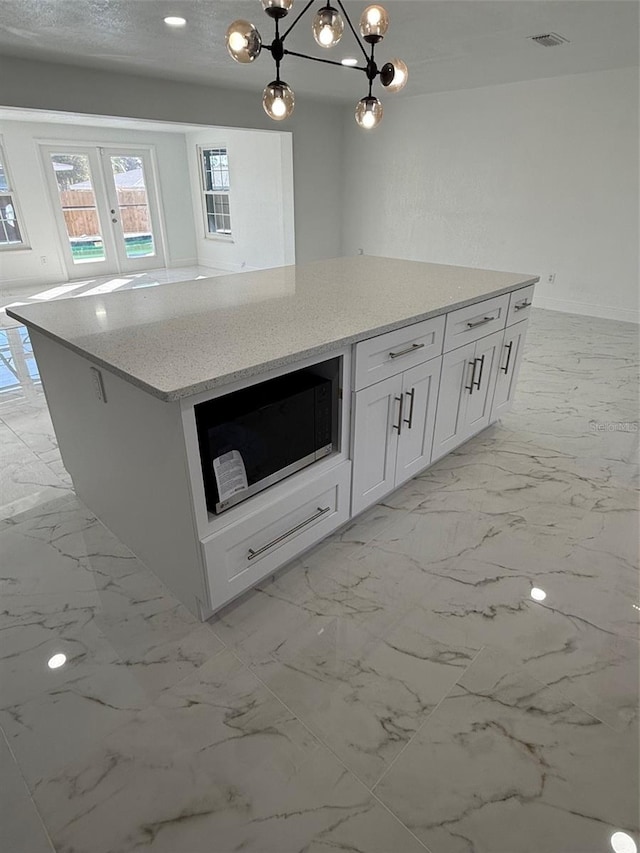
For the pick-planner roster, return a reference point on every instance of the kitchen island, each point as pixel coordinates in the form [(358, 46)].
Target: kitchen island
[(421, 357)]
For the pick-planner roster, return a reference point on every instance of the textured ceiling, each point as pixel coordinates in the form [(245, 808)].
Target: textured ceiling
[(448, 44)]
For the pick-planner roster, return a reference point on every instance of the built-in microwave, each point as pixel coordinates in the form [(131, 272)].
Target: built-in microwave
[(252, 438)]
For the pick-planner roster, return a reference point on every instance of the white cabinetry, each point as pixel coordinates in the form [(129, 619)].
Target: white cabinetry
[(510, 360), (467, 384), (393, 432), (253, 547)]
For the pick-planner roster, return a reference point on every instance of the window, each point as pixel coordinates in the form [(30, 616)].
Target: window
[(215, 185), (10, 234)]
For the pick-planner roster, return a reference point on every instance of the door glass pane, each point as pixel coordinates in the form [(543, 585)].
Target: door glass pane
[(135, 217), (78, 202)]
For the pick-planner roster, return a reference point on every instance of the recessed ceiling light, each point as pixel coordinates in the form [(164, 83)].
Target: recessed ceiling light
[(538, 594), (349, 61), (623, 843), (57, 661), (175, 21)]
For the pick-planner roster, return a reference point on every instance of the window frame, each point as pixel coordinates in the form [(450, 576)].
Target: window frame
[(24, 245), (221, 236)]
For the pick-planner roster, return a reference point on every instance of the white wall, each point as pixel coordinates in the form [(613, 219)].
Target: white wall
[(21, 143), (538, 177), (261, 199), (316, 127)]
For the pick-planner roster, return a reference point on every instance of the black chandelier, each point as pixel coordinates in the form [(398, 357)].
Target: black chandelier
[(244, 44)]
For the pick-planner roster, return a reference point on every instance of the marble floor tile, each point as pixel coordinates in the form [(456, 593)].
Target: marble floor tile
[(21, 828), (219, 758), (525, 770), (364, 696), (406, 648)]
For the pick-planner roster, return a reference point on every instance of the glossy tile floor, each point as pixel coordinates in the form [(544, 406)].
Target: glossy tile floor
[(399, 689)]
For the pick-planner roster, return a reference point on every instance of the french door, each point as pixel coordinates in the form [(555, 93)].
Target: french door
[(106, 206)]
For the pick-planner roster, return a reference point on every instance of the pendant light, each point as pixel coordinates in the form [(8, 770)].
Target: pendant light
[(245, 44), (328, 27), (278, 100)]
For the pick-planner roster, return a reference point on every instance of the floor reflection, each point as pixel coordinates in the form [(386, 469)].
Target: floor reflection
[(19, 376)]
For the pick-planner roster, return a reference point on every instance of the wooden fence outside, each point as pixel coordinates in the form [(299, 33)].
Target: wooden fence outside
[(78, 207)]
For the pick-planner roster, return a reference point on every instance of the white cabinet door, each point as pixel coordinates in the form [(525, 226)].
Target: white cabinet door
[(455, 379), (375, 441), (480, 397), (508, 368), (420, 392)]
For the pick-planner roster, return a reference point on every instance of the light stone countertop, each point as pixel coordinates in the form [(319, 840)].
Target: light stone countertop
[(179, 339)]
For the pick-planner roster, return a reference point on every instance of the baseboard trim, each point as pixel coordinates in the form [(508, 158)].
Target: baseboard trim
[(568, 306)]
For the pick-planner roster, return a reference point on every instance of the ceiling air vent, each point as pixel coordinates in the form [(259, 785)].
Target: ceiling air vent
[(549, 39)]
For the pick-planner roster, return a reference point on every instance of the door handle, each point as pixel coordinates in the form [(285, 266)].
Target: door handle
[(521, 305), (406, 351), (411, 394), (480, 373), (251, 555), (469, 388), (509, 347), (398, 426), (480, 322)]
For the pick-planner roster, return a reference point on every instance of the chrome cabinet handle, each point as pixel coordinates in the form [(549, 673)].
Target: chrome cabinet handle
[(509, 347), (518, 306), (480, 373), (412, 348), (473, 363), (253, 554), (480, 322), (398, 426), (411, 394)]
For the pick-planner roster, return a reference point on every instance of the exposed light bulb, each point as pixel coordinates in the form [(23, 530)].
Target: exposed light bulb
[(278, 100), (175, 21), (328, 27), (237, 41), (279, 107), (326, 36), (243, 41), (368, 112), (374, 23), (56, 661), (538, 594)]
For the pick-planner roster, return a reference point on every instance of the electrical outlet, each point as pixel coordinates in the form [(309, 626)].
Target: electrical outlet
[(551, 278)]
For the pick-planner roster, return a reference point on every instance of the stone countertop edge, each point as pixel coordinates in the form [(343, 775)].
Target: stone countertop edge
[(257, 369)]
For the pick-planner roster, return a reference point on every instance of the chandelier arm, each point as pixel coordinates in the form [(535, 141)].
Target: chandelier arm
[(372, 66), (287, 31), (352, 28), (326, 61)]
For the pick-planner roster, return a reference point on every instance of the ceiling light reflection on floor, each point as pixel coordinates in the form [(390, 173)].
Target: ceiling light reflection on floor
[(623, 843), (538, 594), (57, 661)]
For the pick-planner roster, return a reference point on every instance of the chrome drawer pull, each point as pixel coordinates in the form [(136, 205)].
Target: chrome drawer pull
[(520, 305), (412, 348), (480, 322), (411, 394), (253, 554), (509, 347), (480, 373), (472, 365), (398, 426)]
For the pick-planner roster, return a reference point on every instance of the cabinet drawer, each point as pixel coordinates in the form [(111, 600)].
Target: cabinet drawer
[(475, 321), (520, 304), (389, 354), (256, 545)]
